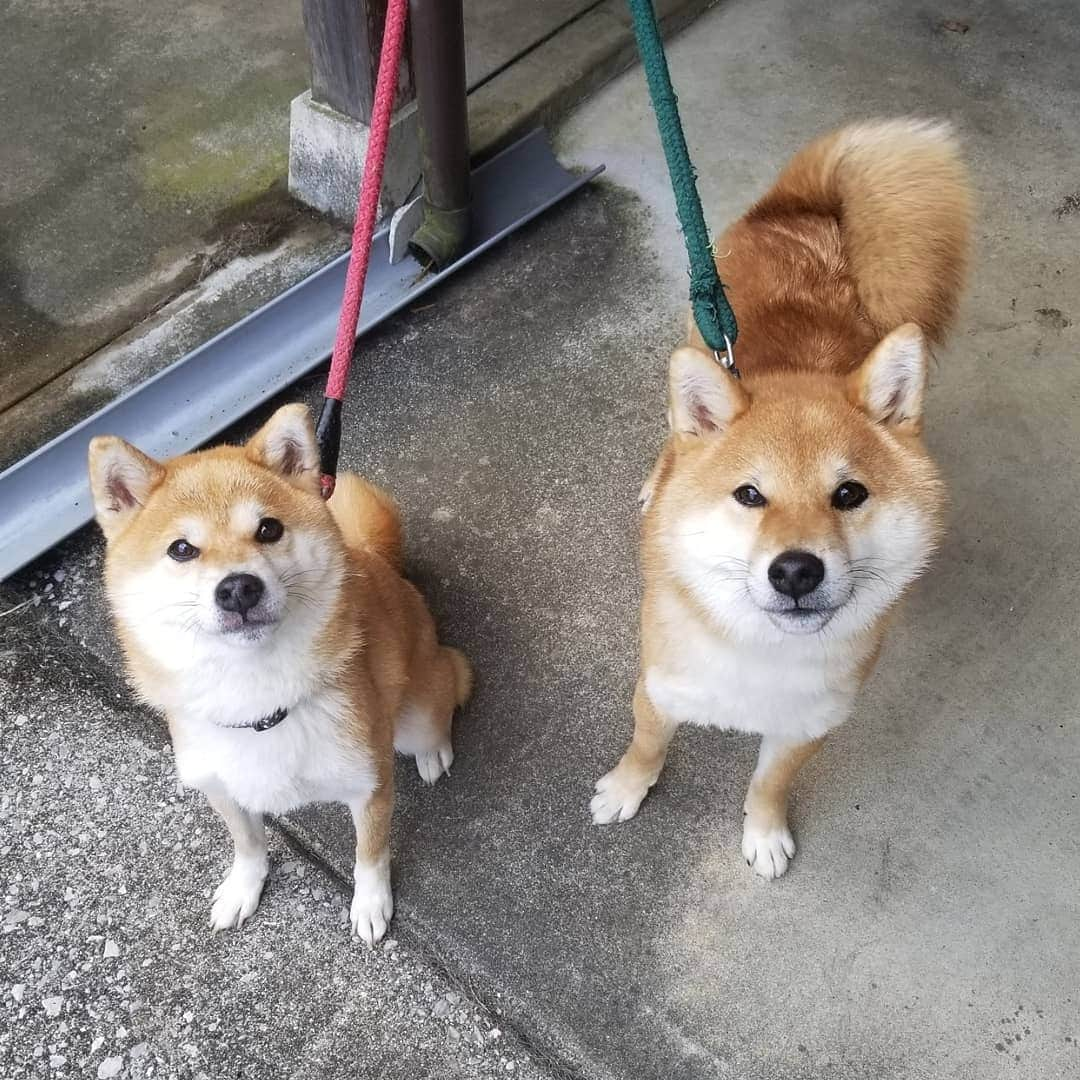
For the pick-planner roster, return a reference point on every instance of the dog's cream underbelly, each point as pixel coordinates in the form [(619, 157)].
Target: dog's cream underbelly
[(302, 760), (757, 690)]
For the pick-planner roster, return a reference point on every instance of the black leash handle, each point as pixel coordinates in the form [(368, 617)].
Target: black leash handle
[(328, 439)]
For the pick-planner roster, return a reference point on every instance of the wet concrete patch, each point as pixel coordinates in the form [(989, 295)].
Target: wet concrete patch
[(100, 227)]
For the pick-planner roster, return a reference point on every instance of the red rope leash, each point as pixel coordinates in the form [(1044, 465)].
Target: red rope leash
[(366, 214)]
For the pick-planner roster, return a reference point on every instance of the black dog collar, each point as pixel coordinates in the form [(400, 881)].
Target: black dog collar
[(264, 723), (267, 722)]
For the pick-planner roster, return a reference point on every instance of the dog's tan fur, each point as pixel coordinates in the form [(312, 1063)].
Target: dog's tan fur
[(368, 658), (838, 276)]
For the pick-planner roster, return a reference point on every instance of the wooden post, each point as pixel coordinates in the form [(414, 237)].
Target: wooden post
[(344, 38)]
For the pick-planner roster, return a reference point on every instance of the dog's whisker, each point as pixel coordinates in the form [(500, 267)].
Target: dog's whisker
[(294, 575)]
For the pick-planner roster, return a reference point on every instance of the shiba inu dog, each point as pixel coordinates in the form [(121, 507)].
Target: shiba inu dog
[(278, 637), (790, 509)]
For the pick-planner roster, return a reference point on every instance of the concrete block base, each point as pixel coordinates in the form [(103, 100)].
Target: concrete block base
[(326, 157)]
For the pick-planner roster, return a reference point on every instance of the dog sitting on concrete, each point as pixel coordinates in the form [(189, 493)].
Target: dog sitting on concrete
[(278, 637)]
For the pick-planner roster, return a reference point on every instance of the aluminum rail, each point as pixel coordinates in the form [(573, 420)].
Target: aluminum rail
[(46, 497)]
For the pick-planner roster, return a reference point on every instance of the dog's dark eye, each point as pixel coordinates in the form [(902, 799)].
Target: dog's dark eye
[(182, 551), (849, 495), (749, 495), (270, 530)]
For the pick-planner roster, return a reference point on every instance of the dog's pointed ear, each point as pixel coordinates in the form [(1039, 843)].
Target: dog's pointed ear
[(286, 444), (703, 397), (121, 480), (889, 384)]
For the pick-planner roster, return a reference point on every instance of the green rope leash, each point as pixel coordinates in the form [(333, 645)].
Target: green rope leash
[(712, 312)]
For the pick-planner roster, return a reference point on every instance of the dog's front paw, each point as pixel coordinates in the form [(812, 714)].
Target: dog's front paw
[(619, 793), (237, 897), (767, 848), (432, 764), (372, 905)]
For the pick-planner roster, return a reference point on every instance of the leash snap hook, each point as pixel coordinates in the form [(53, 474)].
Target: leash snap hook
[(727, 359)]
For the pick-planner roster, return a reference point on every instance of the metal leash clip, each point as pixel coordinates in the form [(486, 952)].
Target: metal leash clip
[(727, 360)]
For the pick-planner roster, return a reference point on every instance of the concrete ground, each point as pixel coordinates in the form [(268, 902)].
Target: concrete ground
[(928, 927), (132, 134), (108, 966)]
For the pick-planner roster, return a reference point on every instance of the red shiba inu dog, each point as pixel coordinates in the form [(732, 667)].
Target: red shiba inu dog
[(790, 509), (278, 637)]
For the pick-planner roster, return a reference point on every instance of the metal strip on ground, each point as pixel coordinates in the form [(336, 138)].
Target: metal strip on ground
[(46, 496)]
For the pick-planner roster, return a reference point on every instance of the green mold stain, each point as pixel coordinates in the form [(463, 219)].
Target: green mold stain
[(215, 151)]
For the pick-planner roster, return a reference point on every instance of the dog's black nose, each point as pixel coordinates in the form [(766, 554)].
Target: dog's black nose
[(796, 573), (239, 592)]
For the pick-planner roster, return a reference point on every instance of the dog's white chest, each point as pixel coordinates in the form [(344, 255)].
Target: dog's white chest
[(304, 759), (769, 690)]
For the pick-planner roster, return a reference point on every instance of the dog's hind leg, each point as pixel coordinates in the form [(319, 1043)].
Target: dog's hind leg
[(620, 792), (767, 843), (423, 728), (237, 896)]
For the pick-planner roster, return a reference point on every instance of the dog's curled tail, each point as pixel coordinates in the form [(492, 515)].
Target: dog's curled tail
[(463, 676), (900, 192), (368, 517)]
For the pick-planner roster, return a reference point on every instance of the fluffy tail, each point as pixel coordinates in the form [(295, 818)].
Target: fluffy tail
[(900, 192), (463, 676), (368, 517)]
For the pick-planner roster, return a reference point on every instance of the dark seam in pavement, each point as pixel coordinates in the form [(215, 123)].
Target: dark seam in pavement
[(185, 281), (30, 631), (41, 639), (422, 945), (534, 46), (219, 248)]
